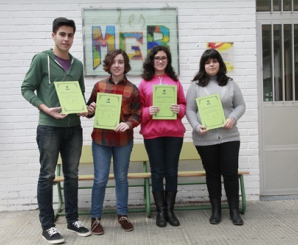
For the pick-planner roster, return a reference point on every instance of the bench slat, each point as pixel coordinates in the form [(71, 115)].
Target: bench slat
[(145, 175), (139, 154)]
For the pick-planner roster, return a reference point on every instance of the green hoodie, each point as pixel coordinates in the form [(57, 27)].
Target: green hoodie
[(43, 72)]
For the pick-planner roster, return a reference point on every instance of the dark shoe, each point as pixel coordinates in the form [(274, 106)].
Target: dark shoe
[(77, 227), (159, 199), (170, 198), (96, 226), (216, 211), (125, 223), (52, 235), (235, 217), (234, 211)]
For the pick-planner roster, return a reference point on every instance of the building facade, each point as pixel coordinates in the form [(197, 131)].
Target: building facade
[(25, 28)]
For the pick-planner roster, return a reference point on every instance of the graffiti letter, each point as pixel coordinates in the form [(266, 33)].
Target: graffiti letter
[(98, 41), (142, 19), (137, 55), (150, 36), (131, 18), (119, 19)]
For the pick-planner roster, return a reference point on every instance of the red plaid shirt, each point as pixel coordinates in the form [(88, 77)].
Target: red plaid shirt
[(130, 111)]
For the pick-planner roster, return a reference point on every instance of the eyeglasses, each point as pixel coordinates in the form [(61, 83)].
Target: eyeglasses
[(157, 59)]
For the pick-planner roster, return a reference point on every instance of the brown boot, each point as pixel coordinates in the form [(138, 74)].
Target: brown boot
[(125, 223), (96, 226)]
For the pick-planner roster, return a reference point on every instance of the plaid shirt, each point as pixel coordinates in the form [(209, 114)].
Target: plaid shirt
[(130, 111)]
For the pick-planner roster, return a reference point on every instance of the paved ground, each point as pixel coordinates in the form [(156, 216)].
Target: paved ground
[(273, 222)]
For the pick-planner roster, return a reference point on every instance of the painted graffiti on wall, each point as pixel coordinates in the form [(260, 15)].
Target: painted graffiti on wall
[(136, 31), (226, 49)]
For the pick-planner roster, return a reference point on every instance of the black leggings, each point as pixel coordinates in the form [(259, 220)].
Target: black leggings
[(221, 159)]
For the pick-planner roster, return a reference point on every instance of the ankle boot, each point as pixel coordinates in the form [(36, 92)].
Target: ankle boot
[(170, 199), (216, 211), (234, 211), (159, 199)]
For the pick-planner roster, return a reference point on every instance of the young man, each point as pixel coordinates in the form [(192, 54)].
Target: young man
[(56, 132)]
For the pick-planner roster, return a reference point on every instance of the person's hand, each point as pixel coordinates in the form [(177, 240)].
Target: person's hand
[(91, 109), (175, 108), (56, 112), (229, 123), (82, 114), (202, 130), (153, 110), (122, 127)]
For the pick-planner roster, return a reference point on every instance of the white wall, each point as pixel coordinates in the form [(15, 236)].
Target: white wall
[(25, 28)]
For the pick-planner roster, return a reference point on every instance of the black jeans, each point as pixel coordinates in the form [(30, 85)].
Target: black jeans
[(163, 153), (221, 159)]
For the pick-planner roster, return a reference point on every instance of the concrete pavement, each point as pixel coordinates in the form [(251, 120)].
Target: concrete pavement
[(271, 221)]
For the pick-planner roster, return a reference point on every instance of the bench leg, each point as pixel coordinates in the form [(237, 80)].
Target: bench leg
[(243, 197), (147, 192), (147, 197)]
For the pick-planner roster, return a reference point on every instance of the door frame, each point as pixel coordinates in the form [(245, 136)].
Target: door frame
[(267, 18)]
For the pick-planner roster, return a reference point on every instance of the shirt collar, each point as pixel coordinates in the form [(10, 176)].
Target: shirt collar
[(124, 80)]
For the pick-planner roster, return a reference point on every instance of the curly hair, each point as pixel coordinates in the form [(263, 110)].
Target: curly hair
[(202, 78), (108, 61), (148, 64)]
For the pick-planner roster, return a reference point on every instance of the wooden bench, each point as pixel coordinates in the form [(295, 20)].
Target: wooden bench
[(139, 154)]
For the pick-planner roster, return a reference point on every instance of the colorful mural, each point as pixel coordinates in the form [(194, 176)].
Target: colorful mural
[(135, 31), (226, 49)]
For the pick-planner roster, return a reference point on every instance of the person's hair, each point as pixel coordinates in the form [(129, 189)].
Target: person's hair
[(202, 78), (61, 21), (108, 61), (148, 64)]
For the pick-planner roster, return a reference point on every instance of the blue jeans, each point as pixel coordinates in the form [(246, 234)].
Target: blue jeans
[(164, 153), (102, 160), (52, 140)]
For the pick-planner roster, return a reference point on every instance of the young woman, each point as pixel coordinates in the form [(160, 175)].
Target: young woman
[(163, 139), (218, 148), (117, 143)]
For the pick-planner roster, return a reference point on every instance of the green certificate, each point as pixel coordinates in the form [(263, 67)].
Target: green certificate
[(211, 111), (108, 108), (163, 97), (70, 97)]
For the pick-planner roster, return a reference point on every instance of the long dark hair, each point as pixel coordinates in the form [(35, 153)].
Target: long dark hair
[(148, 65), (108, 61), (202, 78)]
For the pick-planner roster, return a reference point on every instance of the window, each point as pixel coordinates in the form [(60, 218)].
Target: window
[(280, 62), (276, 5)]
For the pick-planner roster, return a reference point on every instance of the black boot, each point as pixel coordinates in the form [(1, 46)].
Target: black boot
[(159, 199), (216, 211), (170, 198), (234, 211)]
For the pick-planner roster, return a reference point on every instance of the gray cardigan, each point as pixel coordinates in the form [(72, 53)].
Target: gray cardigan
[(233, 106)]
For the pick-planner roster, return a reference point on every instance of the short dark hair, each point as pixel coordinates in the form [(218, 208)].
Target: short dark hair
[(61, 21), (108, 61), (148, 64), (202, 78)]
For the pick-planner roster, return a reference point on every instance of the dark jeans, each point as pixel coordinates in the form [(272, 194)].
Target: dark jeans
[(52, 140), (164, 155), (221, 159)]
